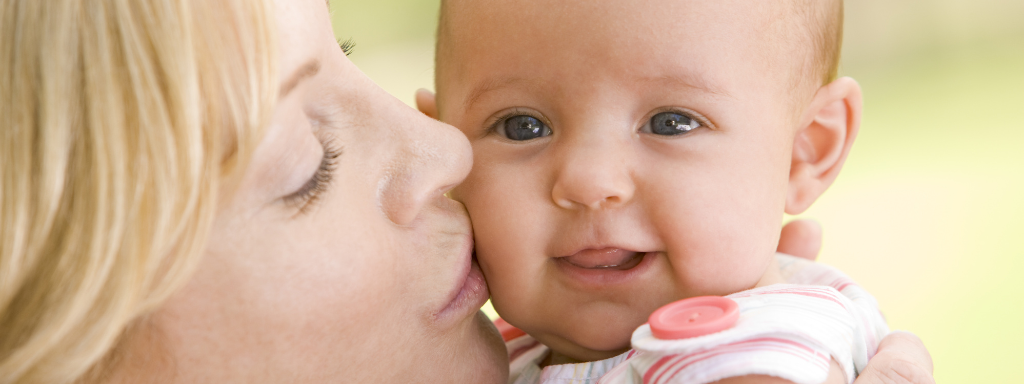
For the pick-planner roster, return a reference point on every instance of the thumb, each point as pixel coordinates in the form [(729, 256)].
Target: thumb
[(426, 102), (801, 238), (901, 359)]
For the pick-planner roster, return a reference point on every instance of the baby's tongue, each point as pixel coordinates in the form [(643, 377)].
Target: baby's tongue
[(602, 258)]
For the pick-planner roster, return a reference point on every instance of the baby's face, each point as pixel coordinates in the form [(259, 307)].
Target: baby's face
[(627, 154)]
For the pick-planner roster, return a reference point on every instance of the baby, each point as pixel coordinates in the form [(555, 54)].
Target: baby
[(631, 153)]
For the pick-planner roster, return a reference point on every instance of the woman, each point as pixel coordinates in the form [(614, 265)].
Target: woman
[(189, 197)]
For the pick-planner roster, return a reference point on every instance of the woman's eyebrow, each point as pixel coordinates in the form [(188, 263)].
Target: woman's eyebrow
[(306, 70)]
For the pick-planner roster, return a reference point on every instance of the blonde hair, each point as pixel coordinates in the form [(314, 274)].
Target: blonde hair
[(119, 122)]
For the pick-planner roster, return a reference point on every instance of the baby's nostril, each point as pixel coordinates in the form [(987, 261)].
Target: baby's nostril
[(609, 201)]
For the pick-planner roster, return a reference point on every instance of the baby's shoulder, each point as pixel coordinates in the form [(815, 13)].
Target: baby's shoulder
[(806, 272), (791, 331)]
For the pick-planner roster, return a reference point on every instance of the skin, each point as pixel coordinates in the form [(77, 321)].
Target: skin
[(704, 208), (359, 286), (349, 290)]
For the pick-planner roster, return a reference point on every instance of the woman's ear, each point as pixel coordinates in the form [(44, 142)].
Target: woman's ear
[(426, 102), (823, 140)]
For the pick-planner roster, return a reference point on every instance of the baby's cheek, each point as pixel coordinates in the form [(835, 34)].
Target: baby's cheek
[(713, 261), (511, 257), (701, 278), (718, 241), (510, 287)]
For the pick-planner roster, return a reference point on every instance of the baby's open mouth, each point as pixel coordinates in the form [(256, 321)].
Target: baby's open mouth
[(607, 258)]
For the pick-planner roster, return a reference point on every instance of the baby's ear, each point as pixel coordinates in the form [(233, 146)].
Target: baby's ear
[(426, 103), (827, 130)]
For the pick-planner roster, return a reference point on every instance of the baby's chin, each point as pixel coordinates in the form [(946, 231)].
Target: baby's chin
[(607, 337), (590, 322), (565, 351)]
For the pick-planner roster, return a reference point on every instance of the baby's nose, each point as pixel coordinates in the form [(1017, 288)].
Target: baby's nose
[(594, 177)]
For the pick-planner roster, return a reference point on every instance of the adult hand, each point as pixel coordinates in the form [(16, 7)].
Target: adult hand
[(801, 238), (901, 357)]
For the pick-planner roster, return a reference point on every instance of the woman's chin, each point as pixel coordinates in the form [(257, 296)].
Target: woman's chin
[(491, 361)]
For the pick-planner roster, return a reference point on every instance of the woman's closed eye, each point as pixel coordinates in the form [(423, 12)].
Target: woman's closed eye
[(309, 194), (672, 123)]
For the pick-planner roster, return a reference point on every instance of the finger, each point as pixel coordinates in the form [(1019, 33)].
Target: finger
[(426, 102), (908, 345), (801, 238), (901, 359)]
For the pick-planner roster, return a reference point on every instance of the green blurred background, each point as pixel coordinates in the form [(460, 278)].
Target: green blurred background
[(929, 211)]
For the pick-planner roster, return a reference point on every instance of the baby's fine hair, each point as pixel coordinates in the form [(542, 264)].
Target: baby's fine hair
[(816, 25)]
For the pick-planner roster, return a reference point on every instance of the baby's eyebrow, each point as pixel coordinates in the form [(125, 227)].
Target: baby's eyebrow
[(491, 86), (699, 83)]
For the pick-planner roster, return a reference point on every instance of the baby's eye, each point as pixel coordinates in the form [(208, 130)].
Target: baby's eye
[(522, 128), (671, 124)]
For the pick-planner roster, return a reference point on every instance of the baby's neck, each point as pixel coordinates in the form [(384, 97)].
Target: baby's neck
[(772, 275), (555, 358)]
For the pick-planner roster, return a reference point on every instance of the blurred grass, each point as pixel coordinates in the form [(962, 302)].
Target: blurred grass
[(929, 211)]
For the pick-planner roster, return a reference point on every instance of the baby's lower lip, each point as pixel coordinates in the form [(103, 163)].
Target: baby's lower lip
[(604, 259), (604, 271)]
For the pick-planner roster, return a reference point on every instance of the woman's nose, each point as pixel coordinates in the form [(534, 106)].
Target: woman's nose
[(430, 158), (594, 175)]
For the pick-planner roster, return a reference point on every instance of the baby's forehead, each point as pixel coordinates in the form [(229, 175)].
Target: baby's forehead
[(734, 33), (580, 21)]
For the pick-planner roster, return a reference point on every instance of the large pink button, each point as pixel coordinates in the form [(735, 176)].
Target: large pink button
[(696, 316)]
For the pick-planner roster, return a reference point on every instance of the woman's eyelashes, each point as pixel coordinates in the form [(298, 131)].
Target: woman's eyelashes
[(521, 127), (307, 196), (347, 46), (671, 123)]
